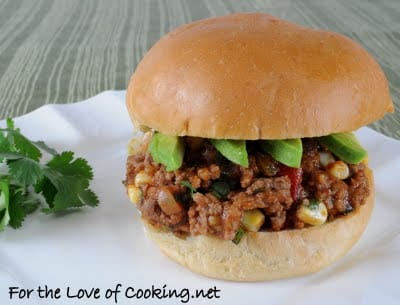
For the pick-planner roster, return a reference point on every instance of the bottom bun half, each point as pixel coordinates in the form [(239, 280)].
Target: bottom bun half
[(266, 256)]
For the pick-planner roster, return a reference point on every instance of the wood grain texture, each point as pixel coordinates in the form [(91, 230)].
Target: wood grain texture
[(66, 51)]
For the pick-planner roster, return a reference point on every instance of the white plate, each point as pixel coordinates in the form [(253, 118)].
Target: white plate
[(105, 246)]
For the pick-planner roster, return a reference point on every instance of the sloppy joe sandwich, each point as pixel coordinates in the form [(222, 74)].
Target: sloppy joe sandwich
[(248, 168)]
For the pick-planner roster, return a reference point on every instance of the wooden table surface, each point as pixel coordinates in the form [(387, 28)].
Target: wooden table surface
[(66, 51)]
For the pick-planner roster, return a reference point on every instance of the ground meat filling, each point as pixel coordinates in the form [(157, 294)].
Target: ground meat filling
[(224, 190)]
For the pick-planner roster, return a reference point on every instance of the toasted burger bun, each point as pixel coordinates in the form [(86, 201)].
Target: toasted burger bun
[(265, 256), (254, 76)]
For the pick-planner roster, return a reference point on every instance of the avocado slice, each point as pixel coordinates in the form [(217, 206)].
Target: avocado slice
[(345, 146), (288, 152), (167, 150), (233, 150)]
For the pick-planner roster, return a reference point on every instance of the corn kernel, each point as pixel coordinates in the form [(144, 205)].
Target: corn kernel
[(142, 178), (252, 220), (339, 170), (134, 194), (139, 144), (313, 213)]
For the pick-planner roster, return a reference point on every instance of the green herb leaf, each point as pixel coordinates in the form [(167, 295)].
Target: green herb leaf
[(4, 145), (313, 204), (11, 140), (10, 156), (4, 204), (220, 189), (72, 190), (67, 183), (26, 184), (30, 201), (4, 219), (43, 146), (189, 186), (22, 202), (26, 147), (48, 190), (16, 210), (10, 124), (25, 171), (65, 164)]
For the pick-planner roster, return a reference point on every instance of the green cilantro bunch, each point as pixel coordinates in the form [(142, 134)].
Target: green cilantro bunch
[(26, 184)]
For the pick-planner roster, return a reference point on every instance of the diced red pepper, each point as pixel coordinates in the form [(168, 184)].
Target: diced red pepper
[(295, 177)]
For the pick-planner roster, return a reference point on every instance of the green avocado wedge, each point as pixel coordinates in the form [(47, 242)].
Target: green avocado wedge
[(288, 152), (345, 146), (167, 150), (233, 150)]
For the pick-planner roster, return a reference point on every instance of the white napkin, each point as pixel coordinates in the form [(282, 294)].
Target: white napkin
[(104, 246)]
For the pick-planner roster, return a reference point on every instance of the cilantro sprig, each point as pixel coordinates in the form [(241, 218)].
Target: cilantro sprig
[(26, 183)]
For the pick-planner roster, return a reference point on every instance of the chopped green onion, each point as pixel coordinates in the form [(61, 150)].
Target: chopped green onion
[(239, 235)]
